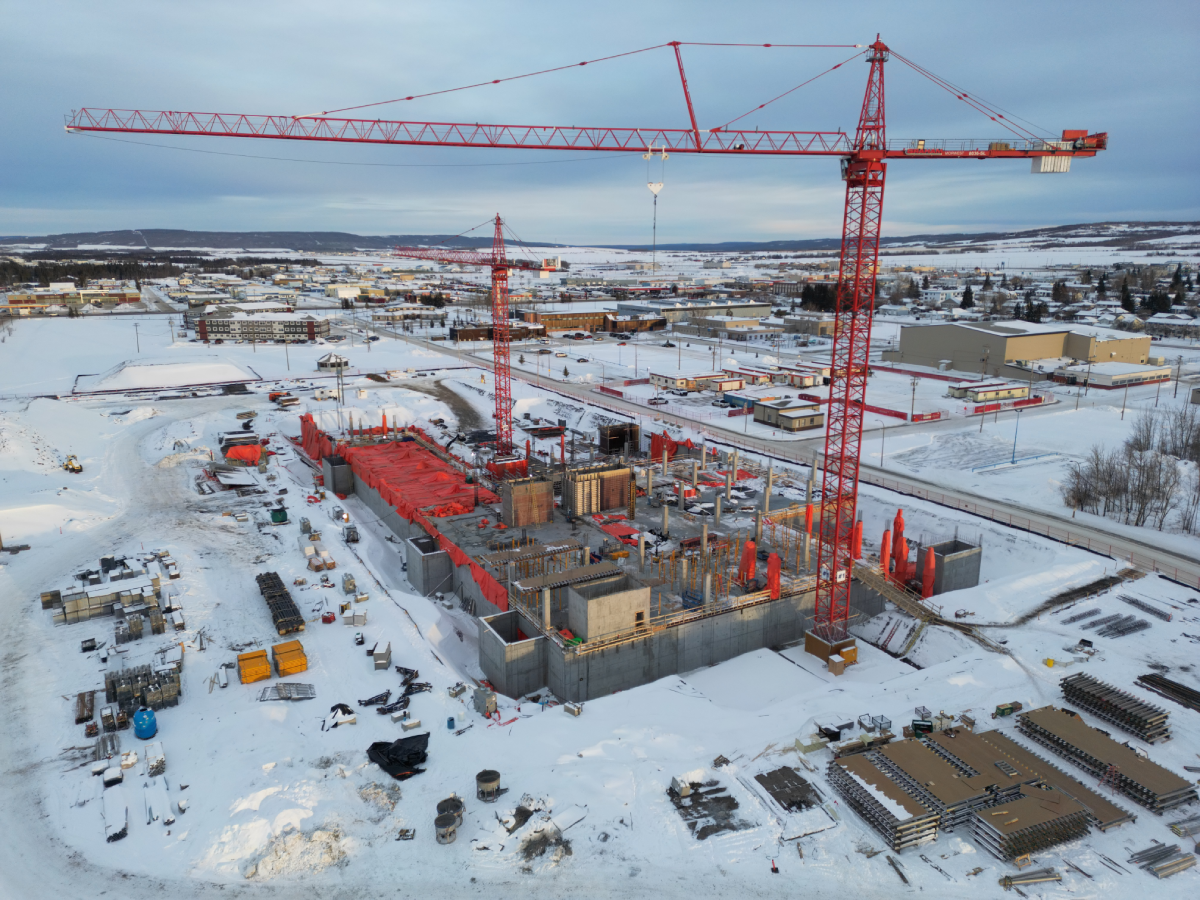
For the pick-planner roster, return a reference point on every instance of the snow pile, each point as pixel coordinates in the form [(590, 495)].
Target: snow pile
[(131, 376), (297, 853)]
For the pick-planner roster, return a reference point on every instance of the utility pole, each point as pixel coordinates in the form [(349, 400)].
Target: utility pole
[(287, 356), (913, 408), (1015, 429), (136, 337), (1178, 373), (1124, 399)]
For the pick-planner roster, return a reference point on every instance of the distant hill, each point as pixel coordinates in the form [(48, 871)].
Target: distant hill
[(1127, 235)]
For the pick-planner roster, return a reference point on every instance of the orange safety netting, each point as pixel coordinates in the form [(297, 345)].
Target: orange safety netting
[(659, 442), (417, 484), (773, 571), (748, 563), (247, 453)]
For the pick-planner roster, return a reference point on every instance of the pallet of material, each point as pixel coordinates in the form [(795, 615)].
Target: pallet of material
[(289, 658), (1113, 705), (1141, 780), (253, 667), (85, 705), (284, 613)]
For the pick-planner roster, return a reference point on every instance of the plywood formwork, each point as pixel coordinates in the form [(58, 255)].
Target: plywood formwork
[(1113, 705), (1141, 780), (526, 501), (595, 488)]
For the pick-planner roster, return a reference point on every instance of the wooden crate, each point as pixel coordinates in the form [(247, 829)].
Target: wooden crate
[(253, 667), (286, 647), (291, 663)]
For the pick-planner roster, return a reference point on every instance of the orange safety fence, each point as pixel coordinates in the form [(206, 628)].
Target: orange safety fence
[(418, 485)]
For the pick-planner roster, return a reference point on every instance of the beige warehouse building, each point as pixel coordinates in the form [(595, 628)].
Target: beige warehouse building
[(1014, 349)]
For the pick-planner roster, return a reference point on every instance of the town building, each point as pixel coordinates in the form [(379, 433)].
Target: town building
[(696, 381), (789, 414), (987, 391), (261, 327), (1112, 375), (1015, 349)]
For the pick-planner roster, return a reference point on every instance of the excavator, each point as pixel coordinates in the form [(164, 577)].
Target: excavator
[(72, 464)]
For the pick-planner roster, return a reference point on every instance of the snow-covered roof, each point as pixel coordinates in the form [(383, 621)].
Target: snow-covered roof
[(1115, 368)]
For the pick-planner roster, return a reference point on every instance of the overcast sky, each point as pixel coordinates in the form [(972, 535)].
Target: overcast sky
[(1127, 68)]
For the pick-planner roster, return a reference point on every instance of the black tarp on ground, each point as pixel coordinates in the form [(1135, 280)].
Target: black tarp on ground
[(400, 758)]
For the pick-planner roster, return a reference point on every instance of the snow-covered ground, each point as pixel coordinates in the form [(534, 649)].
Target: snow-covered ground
[(280, 806)]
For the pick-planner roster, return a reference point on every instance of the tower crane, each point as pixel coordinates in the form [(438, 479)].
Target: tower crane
[(864, 160), (500, 265)]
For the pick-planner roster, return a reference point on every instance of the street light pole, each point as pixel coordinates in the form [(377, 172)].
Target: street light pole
[(1015, 429)]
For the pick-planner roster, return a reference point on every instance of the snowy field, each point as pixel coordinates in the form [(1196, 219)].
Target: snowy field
[(281, 807)]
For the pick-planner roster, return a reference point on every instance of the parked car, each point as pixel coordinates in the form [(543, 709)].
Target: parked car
[(621, 343), (581, 359), (545, 350), (561, 355), (678, 392), (657, 401)]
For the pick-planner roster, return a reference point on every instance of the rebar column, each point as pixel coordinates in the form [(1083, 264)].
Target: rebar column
[(695, 473), (546, 608), (758, 520), (708, 596), (766, 504), (666, 521), (717, 514), (664, 464), (641, 552), (704, 538)]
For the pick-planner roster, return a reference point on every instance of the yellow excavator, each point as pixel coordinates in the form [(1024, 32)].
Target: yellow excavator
[(72, 464)]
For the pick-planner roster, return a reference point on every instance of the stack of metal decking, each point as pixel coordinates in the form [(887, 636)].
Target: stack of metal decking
[(1115, 764), (1118, 707), (900, 819), (1039, 818)]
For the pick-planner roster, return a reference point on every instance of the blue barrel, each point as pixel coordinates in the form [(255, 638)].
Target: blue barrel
[(450, 723), (144, 724)]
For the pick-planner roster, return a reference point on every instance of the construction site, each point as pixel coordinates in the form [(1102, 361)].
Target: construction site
[(428, 625)]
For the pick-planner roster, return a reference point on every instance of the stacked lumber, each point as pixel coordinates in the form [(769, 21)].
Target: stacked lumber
[(1124, 710), (253, 666), (289, 658)]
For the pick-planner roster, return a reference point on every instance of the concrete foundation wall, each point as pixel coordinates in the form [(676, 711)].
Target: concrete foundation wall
[(338, 475), (429, 570), (519, 664)]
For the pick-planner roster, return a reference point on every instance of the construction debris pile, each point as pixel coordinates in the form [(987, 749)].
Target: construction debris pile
[(1115, 764), (1118, 707), (154, 687)]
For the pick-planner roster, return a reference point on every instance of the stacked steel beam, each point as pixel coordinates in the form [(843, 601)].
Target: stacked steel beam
[(1124, 710), (1066, 733), (1163, 860), (1172, 690), (902, 820)]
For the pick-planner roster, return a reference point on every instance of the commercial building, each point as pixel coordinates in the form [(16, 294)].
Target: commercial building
[(1020, 350), (267, 327), (597, 320), (818, 324), (987, 391), (674, 310), (697, 381), (731, 328), (1112, 375), (40, 299), (789, 415)]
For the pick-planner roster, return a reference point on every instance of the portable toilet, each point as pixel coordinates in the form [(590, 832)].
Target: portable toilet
[(144, 724), (278, 516)]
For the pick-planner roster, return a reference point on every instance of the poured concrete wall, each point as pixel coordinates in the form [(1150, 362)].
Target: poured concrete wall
[(956, 566), (338, 475), (430, 568), (606, 606), (519, 665)]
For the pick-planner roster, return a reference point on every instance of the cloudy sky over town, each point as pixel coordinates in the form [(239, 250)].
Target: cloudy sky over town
[(1122, 67)]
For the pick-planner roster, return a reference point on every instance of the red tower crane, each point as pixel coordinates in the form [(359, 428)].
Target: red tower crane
[(864, 160), (501, 332)]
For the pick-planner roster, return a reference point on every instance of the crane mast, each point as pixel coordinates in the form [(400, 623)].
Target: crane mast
[(500, 265), (864, 171)]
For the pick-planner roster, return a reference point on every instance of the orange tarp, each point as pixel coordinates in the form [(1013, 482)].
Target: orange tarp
[(250, 453)]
